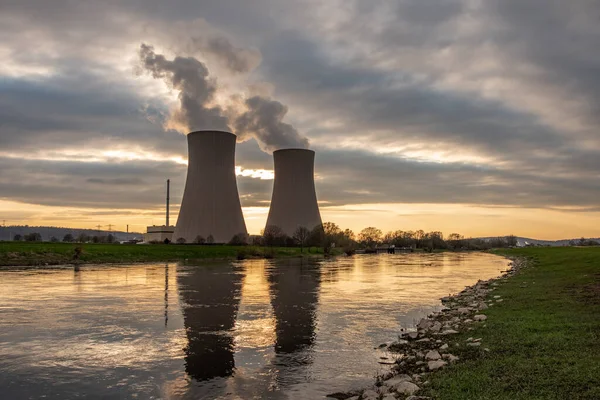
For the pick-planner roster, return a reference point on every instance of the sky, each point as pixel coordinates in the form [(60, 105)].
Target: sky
[(470, 116)]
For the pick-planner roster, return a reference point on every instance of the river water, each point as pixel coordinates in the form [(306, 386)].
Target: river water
[(285, 329)]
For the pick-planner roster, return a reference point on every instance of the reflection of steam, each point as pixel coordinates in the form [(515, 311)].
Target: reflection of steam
[(211, 297)]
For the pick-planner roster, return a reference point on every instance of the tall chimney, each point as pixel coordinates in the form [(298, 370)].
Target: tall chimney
[(294, 200), (211, 204), (168, 191)]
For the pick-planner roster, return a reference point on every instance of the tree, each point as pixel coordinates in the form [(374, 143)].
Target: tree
[(199, 240), (18, 238), (68, 238), (370, 236), (82, 238), (110, 238), (54, 239), (33, 237), (240, 239), (331, 229), (301, 236), (181, 240), (511, 240), (210, 239), (273, 235)]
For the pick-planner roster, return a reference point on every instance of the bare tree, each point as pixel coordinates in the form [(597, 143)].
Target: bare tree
[(301, 236), (273, 235)]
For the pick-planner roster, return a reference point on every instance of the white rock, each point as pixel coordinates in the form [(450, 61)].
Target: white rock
[(352, 398), (413, 335), (406, 388), (499, 300), (433, 365), (432, 355), (497, 297), (370, 395), (436, 327), (424, 340), (424, 324), (469, 339), (392, 382), (389, 396), (449, 332), (464, 310), (452, 358), (480, 317), (474, 344)]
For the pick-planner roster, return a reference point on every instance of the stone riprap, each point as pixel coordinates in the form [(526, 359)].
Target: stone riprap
[(425, 350)]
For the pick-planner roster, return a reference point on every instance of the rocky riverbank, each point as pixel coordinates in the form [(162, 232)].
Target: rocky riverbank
[(430, 347)]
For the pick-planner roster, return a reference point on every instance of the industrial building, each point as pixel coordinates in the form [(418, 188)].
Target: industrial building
[(161, 233), (294, 199), (158, 233), (211, 204)]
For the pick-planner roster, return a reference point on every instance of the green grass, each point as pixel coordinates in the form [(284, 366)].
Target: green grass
[(30, 253), (544, 338)]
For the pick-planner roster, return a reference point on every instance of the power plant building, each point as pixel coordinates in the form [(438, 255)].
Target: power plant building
[(211, 204), (294, 199)]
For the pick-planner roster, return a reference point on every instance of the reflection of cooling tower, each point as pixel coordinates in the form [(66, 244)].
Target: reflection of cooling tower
[(210, 204), (294, 200), (294, 297), (210, 298)]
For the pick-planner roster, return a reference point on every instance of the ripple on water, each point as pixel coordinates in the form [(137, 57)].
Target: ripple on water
[(250, 329)]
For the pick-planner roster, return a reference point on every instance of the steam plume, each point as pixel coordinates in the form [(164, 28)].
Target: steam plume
[(196, 90), (263, 121), (261, 117)]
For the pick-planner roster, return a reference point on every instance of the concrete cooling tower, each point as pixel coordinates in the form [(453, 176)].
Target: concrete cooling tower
[(210, 204), (294, 200)]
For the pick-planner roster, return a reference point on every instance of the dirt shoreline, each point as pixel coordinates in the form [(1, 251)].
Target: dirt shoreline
[(429, 348)]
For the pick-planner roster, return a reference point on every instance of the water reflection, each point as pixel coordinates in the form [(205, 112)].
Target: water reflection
[(247, 330), (294, 296), (211, 296)]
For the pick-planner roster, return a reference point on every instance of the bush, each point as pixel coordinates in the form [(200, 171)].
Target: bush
[(199, 240), (181, 240)]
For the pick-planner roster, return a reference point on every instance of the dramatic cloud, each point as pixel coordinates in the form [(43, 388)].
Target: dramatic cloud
[(483, 103), (236, 59)]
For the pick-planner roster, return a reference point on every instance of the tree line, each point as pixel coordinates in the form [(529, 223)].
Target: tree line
[(329, 235), (68, 238)]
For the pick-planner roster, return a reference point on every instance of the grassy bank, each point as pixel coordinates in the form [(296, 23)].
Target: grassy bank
[(30, 253), (544, 338)]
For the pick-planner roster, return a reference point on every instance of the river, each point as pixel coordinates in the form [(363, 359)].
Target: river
[(274, 329)]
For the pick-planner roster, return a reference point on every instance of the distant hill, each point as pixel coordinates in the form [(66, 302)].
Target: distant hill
[(47, 232), (523, 241)]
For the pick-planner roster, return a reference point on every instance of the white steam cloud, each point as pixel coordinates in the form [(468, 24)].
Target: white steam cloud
[(258, 117), (263, 121), (196, 91)]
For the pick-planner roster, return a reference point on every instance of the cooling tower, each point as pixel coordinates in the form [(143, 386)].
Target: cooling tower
[(210, 204), (294, 200)]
